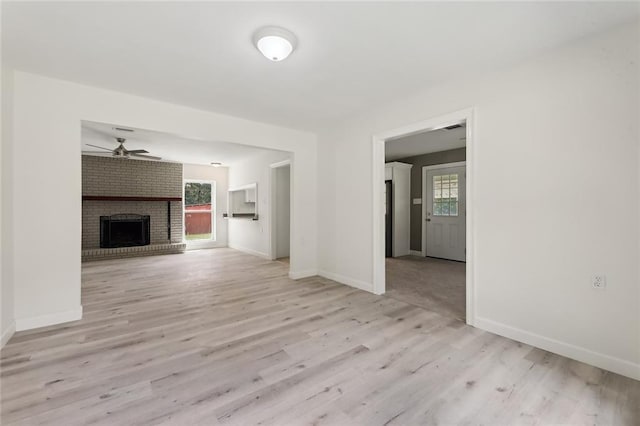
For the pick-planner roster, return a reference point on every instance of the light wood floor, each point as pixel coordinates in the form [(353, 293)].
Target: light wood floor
[(436, 285), (220, 337)]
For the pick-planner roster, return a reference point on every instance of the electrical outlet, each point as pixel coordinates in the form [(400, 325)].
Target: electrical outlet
[(599, 282)]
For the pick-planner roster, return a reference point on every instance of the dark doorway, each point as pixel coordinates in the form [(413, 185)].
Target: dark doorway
[(388, 218)]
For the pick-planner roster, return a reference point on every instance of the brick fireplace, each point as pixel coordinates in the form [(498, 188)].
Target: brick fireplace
[(119, 188)]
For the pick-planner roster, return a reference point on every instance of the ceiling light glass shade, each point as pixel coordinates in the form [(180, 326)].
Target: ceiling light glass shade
[(275, 43), (275, 48)]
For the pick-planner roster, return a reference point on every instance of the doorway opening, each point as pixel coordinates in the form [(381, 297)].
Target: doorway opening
[(422, 245), (199, 210), (281, 211)]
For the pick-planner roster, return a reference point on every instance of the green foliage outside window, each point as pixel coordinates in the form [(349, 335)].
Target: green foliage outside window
[(197, 193)]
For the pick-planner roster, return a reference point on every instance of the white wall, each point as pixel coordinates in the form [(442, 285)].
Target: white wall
[(7, 315), (252, 236), (221, 176), (556, 141), (283, 198), (46, 155)]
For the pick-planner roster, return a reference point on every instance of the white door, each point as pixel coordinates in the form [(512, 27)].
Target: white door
[(446, 213)]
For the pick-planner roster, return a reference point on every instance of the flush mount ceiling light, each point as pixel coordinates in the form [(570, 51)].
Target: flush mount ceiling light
[(275, 43)]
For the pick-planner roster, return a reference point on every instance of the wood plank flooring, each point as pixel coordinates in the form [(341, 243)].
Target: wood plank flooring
[(220, 337), (436, 285)]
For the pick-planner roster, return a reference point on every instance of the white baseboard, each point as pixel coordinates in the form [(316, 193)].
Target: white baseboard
[(195, 245), (302, 274), (415, 253), (6, 334), (49, 319), (606, 362), (250, 251), (352, 282)]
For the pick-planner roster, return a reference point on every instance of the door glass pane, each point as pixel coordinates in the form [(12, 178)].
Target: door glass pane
[(437, 209), (445, 195), (445, 209)]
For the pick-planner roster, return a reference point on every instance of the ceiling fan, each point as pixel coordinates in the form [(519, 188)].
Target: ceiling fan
[(122, 152)]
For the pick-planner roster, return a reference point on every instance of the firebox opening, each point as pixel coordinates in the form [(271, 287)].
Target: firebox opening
[(124, 230)]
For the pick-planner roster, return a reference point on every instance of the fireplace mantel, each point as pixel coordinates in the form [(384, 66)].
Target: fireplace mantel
[(122, 198)]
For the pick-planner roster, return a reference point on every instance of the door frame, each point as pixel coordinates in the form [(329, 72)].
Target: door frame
[(377, 188), (425, 169), (213, 241), (272, 211)]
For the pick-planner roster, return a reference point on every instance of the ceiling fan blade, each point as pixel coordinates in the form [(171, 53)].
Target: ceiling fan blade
[(96, 146), (101, 153), (150, 157), (138, 151)]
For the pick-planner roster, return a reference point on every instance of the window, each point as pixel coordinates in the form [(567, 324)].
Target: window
[(199, 211), (445, 195)]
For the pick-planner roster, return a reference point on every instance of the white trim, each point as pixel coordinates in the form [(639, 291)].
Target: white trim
[(415, 253), (399, 165), (48, 319), (302, 274), (6, 334), (445, 165), (606, 362), (378, 165), (351, 282), (250, 251), (425, 169), (204, 244), (280, 164), (243, 187)]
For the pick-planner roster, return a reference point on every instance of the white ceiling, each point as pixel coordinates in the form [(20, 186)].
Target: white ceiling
[(425, 143), (350, 56), (169, 147)]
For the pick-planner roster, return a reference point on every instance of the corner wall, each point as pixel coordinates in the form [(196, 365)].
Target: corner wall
[(7, 313), (556, 140), (281, 190), (46, 155)]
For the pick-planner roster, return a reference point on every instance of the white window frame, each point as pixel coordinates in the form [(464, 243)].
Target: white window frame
[(213, 211)]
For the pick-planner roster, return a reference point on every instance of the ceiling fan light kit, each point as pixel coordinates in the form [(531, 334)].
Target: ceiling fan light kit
[(122, 152)]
